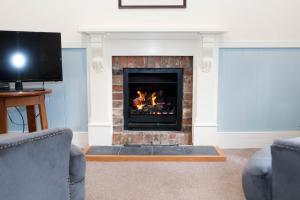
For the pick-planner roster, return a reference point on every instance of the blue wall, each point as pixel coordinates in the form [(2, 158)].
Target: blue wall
[(259, 90), (67, 105)]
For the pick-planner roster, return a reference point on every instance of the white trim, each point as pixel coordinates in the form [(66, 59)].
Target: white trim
[(153, 29), (205, 125), (226, 140), (225, 44), (74, 44), (252, 139), (100, 124), (260, 44)]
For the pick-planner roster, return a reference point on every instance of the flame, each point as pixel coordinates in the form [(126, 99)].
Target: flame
[(153, 98), (139, 102), (141, 95)]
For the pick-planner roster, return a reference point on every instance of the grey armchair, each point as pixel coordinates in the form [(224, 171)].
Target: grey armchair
[(273, 173), (41, 166)]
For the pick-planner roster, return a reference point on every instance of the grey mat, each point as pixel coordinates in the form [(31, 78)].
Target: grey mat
[(152, 150)]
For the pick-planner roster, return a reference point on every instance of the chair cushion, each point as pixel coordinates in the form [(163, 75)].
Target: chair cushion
[(77, 165), (257, 176)]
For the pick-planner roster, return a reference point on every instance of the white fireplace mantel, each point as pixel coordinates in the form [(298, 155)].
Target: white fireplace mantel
[(199, 42), (153, 29)]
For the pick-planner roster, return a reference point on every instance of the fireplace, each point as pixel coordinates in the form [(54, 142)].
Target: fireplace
[(153, 99), (111, 49)]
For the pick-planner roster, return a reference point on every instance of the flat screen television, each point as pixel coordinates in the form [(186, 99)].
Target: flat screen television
[(30, 57)]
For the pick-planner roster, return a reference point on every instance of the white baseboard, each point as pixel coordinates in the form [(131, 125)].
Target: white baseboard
[(226, 140), (241, 140)]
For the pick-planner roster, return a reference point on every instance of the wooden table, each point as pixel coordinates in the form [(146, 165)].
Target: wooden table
[(29, 99)]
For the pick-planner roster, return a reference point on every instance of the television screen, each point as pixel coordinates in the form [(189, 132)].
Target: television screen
[(30, 56)]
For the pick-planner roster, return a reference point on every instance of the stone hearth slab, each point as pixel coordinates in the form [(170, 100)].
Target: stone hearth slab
[(136, 150), (154, 153)]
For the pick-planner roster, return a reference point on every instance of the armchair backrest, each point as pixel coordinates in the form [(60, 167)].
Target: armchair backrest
[(286, 169), (35, 166)]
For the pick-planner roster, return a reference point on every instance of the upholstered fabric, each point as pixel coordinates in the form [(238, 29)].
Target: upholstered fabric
[(77, 174), (35, 166), (286, 169), (77, 165), (273, 173), (77, 190), (257, 176)]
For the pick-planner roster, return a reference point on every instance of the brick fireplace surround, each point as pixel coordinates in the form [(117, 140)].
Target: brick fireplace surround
[(121, 136)]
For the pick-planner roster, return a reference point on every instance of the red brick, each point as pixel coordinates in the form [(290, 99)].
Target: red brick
[(117, 96), (187, 103), (187, 121), (117, 80), (153, 61), (148, 138), (117, 88), (165, 61), (164, 139), (188, 84), (137, 138), (186, 61), (188, 96), (187, 112), (123, 61), (117, 139), (117, 104), (117, 128), (118, 121), (131, 61), (172, 136), (188, 71), (140, 61), (115, 61), (186, 129)]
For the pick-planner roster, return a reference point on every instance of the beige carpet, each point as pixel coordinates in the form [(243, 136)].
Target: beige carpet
[(168, 180)]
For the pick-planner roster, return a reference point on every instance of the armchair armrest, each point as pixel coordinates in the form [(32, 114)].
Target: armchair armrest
[(77, 165), (286, 169), (35, 166), (77, 174)]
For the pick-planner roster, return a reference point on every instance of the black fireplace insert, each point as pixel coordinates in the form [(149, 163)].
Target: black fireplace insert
[(153, 98)]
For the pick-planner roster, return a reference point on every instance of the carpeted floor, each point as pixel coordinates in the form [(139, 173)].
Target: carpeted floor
[(168, 180)]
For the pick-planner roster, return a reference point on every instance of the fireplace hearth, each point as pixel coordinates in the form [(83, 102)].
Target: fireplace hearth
[(153, 99)]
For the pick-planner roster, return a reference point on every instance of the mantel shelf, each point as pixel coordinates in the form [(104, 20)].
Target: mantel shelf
[(149, 29)]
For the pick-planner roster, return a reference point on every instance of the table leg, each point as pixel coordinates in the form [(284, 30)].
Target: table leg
[(43, 115), (3, 117), (31, 118)]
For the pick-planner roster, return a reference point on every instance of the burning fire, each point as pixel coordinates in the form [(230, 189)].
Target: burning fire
[(140, 101), (153, 98)]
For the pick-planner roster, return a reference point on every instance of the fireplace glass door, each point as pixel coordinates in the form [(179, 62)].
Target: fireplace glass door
[(153, 98)]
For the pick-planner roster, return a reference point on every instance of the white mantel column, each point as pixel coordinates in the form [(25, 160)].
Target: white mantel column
[(206, 90), (100, 92)]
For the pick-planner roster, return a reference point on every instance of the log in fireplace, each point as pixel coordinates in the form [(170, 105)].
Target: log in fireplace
[(153, 98)]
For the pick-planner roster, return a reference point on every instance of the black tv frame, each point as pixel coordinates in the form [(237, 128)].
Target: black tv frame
[(18, 82)]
